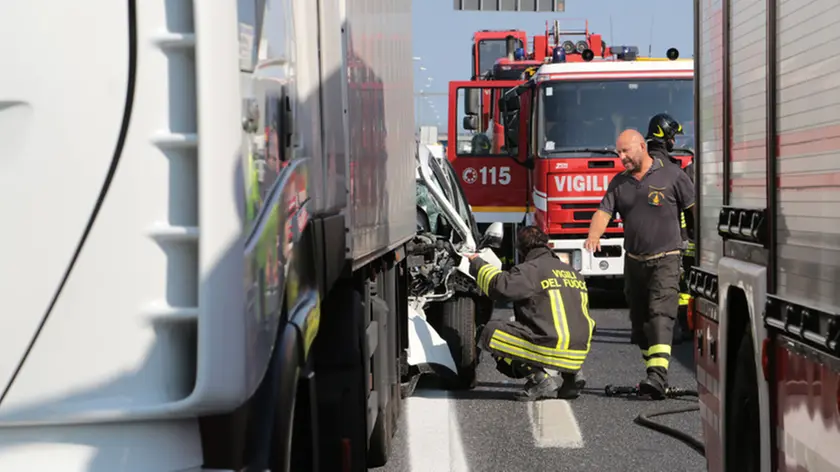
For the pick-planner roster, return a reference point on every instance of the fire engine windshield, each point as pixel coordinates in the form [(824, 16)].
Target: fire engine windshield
[(572, 116), (489, 50)]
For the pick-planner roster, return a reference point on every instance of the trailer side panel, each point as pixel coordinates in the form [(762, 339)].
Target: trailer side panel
[(381, 125), (808, 123), (710, 88), (748, 62)]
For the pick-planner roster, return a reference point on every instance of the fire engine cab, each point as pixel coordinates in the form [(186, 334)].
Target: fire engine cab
[(559, 130), (484, 165), (575, 112)]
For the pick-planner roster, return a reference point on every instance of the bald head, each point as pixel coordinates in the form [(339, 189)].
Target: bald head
[(630, 136), (632, 150)]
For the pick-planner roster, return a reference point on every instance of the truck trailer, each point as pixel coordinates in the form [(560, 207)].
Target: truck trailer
[(204, 268), (765, 307)]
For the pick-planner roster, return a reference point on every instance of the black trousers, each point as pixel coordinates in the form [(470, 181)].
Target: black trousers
[(652, 291)]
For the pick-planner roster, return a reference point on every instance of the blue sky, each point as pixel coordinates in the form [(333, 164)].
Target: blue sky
[(442, 36)]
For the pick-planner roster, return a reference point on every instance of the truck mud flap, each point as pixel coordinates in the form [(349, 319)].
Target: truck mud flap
[(426, 349)]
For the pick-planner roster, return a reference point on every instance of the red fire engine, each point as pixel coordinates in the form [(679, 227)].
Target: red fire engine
[(566, 118), (767, 309), (479, 168)]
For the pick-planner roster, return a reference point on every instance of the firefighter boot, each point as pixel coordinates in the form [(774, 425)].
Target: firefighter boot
[(539, 385), (652, 387), (572, 385)]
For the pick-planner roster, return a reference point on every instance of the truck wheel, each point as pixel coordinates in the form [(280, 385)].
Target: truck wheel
[(338, 352), (385, 367), (409, 377), (743, 449), (380, 439), (457, 328)]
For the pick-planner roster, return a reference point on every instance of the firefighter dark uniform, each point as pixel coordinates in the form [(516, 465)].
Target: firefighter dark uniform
[(552, 328), (650, 210), (662, 130)]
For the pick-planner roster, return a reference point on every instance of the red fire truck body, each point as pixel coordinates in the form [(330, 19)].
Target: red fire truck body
[(496, 187), (766, 305), (499, 189), (568, 118)]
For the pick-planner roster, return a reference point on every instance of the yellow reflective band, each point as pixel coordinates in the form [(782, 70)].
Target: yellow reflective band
[(682, 219), (521, 353), (482, 272), (657, 362), (584, 305), (684, 298), (489, 275), (659, 349), (485, 275), (508, 338), (561, 324)]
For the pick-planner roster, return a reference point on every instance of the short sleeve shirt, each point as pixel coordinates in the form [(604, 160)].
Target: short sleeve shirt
[(650, 208)]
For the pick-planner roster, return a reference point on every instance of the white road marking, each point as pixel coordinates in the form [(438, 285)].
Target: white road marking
[(554, 425), (432, 445)]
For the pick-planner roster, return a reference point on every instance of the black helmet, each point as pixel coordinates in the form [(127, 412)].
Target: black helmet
[(481, 144), (663, 128)]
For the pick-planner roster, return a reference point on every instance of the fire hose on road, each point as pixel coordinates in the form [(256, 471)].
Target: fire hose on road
[(646, 420)]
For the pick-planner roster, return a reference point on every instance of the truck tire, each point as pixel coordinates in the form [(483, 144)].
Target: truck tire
[(457, 328), (338, 352), (743, 448), (379, 448), (380, 439)]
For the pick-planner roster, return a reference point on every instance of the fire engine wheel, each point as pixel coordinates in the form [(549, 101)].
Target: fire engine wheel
[(743, 445), (457, 328)]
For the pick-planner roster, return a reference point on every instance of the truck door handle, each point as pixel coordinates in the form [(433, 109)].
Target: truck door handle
[(601, 164)]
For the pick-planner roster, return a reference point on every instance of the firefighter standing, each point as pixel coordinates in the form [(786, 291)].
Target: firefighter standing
[(661, 135), (649, 195), (552, 328)]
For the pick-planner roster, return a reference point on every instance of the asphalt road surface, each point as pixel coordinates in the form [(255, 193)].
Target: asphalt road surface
[(486, 430)]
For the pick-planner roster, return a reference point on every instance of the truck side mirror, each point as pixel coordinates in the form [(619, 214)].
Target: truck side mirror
[(470, 123), (471, 101)]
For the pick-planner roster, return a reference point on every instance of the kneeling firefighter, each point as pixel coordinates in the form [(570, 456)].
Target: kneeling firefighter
[(662, 132), (552, 328)]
